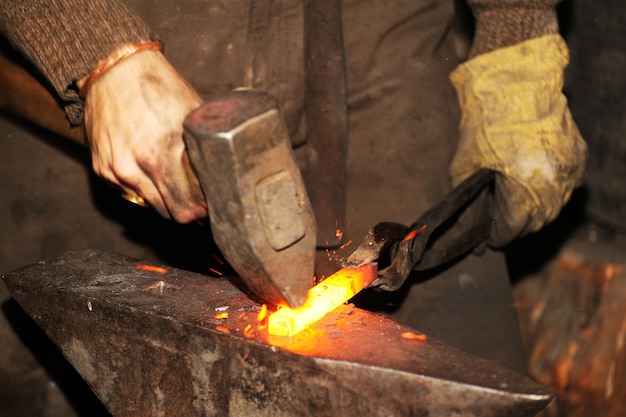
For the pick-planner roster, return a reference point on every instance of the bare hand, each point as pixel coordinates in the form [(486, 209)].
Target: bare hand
[(134, 120)]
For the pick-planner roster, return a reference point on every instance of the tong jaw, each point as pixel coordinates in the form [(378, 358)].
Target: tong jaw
[(385, 244), (399, 249)]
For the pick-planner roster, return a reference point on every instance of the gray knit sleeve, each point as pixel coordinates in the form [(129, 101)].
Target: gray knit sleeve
[(501, 23), (65, 39)]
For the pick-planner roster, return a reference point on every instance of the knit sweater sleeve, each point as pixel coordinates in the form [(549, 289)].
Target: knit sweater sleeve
[(65, 39), (501, 23)]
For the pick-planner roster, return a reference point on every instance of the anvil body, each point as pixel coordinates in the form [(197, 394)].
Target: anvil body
[(154, 341)]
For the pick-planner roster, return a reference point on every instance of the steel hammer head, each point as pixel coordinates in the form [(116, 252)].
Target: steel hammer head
[(260, 214)]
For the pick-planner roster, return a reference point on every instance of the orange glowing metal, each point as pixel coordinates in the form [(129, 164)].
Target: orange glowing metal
[(322, 299), (152, 268)]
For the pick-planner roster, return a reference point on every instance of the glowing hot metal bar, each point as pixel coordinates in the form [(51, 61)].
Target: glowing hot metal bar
[(322, 299)]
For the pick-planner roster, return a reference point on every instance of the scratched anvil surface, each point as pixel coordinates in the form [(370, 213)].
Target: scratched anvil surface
[(157, 342)]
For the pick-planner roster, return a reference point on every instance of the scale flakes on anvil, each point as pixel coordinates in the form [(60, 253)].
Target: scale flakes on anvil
[(164, 347)]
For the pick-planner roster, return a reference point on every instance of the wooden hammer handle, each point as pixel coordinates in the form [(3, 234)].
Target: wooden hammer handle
[(24, 96)]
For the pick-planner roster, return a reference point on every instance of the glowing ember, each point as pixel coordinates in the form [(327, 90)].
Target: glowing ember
[(221, 316), (216, 272), (414, 233), (348, 243), (222, 329), (411, 335), (262, 314), (152, 268), (322, 299)]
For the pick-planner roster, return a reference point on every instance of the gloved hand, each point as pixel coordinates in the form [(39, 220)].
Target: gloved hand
[(134, 121), (516, 121)]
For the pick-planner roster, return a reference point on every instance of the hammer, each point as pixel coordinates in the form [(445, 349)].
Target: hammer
[(240, 162)]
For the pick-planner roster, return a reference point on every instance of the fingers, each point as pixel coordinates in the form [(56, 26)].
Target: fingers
[(122, 170), (171, 198), (159, 179), (170, 180)]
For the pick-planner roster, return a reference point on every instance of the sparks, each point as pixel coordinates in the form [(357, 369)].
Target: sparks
[(322, 299), (152, 268), (262, 314), (216, 272), (414, 233), (222, 329), (411, 335), (218, 259)]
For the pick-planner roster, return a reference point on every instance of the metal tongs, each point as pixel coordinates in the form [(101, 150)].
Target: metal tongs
[(405, 249)]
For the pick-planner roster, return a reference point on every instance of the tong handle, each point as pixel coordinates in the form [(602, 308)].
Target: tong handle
[(415, 253)]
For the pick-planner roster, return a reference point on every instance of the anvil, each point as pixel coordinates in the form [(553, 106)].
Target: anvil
[(157, 341)]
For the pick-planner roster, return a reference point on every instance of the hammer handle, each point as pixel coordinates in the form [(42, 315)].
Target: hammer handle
[(24, 96)]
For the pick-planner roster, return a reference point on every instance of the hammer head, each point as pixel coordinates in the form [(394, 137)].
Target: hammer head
[(258, 207)]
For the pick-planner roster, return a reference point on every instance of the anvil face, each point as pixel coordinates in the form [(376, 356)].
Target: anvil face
[(156, 341)]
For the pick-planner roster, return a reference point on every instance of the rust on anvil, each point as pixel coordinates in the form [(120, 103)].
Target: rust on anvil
[(157, 344)]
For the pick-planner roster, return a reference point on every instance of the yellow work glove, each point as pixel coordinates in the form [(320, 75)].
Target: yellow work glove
[(516, 122)]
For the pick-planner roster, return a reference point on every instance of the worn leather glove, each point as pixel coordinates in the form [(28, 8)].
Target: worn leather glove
[(516, 121), (134, 121)]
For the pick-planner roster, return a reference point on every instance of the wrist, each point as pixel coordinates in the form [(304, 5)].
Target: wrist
[(500, 27), (125, 51)]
